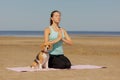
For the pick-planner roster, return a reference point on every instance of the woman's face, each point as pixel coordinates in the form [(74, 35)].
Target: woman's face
[(56, 17)]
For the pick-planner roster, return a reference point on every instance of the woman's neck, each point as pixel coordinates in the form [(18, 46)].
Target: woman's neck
[(56, 26)]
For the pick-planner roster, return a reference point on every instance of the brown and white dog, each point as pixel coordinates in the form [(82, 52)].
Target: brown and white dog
[(42, 57)]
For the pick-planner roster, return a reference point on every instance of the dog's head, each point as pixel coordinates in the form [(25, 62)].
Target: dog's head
[(45, 47)]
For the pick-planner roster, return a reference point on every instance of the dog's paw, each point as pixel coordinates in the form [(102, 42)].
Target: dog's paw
[(32, 67)]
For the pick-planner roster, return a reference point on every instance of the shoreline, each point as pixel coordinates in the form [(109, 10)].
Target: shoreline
[(71, 35), (81, 44)]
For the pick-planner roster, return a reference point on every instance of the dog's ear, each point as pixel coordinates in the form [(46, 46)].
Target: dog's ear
[(42, 47), (50, 46), (46, 43)]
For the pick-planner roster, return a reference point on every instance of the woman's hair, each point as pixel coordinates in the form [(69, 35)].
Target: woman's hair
[(52, 13)]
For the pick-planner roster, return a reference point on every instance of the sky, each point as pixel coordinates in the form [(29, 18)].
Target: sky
[(77, 15)]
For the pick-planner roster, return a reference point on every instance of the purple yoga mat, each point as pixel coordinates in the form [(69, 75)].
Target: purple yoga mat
[(74, 67)]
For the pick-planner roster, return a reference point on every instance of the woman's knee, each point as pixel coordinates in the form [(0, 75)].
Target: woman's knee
[(68, 65)]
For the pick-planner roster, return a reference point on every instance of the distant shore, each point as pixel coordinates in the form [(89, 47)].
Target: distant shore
[(106, 44), (73, 33)]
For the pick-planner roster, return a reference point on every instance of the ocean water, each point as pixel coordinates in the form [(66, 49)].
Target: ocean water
[(22, 33), (41, 33)]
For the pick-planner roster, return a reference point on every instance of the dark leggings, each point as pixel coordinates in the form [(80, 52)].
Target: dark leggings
[(59, 62)]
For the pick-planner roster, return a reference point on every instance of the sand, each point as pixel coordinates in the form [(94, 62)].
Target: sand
[(93, 50)]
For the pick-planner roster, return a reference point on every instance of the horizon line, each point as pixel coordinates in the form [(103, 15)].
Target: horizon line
[(67, 31)]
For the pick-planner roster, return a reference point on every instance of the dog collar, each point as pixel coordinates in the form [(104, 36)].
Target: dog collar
[(44, 51)]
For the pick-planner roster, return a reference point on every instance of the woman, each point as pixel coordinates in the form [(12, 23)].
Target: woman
[(56, 35)]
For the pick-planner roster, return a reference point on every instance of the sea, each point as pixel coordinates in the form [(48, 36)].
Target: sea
[(41, 33)]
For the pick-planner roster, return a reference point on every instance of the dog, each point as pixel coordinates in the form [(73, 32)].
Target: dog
[(42, 57)]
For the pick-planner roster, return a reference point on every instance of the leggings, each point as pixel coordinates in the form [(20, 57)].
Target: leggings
[(59, 62)]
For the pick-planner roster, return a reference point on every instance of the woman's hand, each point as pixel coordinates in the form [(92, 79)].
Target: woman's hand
[(58, 38), (67, 38)]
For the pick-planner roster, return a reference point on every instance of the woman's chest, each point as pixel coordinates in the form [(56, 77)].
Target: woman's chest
[(53, 35)]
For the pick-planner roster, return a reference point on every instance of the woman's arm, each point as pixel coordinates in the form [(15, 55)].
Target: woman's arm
[(67, 38), (47, 33)]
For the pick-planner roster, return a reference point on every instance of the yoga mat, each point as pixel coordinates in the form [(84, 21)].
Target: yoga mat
[(74, 67)]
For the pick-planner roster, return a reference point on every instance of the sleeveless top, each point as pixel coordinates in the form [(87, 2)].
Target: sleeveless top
[(57, 47)]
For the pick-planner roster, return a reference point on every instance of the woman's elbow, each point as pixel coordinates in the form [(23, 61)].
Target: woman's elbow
[(70, 43)]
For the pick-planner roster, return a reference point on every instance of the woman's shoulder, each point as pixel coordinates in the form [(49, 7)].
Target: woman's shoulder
[(47, 29), (63, 29)]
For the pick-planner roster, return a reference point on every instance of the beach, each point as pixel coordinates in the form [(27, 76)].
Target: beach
[(93, 50)]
